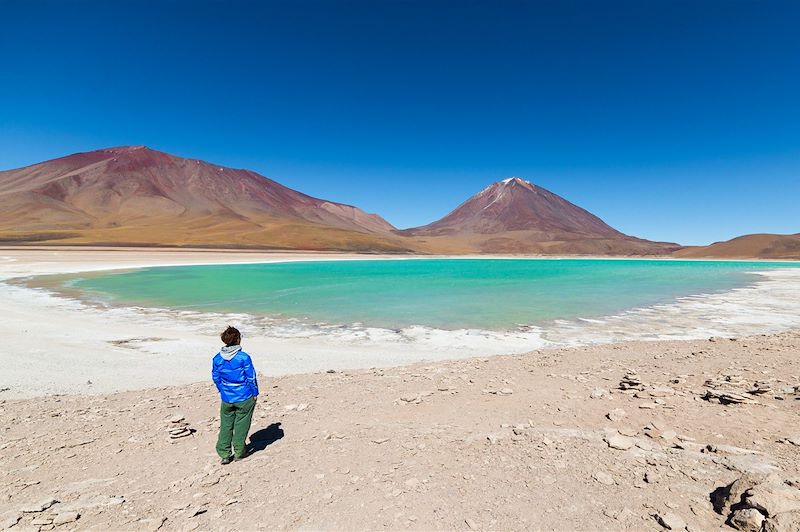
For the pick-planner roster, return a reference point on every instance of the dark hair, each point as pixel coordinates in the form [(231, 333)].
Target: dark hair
[(231, 336)]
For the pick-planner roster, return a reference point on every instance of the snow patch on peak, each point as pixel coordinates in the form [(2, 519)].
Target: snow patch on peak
[(516, 180)]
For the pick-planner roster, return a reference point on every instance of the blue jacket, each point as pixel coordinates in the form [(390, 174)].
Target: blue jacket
[(233, 373)]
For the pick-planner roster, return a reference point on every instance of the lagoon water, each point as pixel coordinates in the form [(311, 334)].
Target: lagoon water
[(443, 294)]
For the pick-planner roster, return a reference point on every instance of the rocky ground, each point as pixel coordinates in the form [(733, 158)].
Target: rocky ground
[(635, 436)]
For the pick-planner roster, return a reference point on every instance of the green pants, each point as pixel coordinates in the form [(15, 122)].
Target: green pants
[(234, 425)]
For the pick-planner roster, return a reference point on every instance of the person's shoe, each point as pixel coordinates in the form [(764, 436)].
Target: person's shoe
[(241, 456), (227, 460)]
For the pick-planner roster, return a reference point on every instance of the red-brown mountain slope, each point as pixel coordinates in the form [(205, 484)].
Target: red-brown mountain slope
[(517, 216), (135, 195), (758, 246)]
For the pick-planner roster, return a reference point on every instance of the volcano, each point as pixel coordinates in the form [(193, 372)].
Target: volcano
[(516, 216), (133, 195)]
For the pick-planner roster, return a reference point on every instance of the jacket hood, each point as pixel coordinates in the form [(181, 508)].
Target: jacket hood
[(229, 351)]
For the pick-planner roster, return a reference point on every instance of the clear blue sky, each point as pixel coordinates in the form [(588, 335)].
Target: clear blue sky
[(671, 120)]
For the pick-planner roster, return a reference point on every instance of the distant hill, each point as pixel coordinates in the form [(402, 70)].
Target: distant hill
[(516, 216), (135, 195), (757, 246)]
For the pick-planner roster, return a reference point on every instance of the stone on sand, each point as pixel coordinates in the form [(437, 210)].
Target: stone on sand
[(63, 518), (40, 506), (671, 521), (617, 441), (616, 414), (747, 520)]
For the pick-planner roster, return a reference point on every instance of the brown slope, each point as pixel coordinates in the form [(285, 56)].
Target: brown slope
[(135, 195), (756, 246), (516, 216)]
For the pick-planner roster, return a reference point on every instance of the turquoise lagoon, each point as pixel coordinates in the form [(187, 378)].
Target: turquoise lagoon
[(447, 294)]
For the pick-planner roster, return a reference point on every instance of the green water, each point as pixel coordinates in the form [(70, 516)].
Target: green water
[(490, 294)]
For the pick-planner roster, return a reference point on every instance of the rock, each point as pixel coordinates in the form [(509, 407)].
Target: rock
[(380, 440), (42, 521), (506, 391), (794, 440), (728, 397), (747, 520), (662, 391), (785, 522), (97, 501), (470, 524), (410, 398), (194, 512), (648, 406), (631, 381), (604, 478), (671, 521), (412, 483), (669, 435), (616, 441), (760, 388), (150, 525), (40, 506), (302, 406), (617, 414), (651, 477), (772, 499), (176, 418), (63, 518), (732, 494), (8, 522), (598, 393)]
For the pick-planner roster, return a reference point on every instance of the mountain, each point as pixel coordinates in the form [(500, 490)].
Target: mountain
[(135, 195), (516, 216), (757, 246)]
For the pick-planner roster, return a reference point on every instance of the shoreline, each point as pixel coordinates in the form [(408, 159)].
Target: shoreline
[(135, 344)]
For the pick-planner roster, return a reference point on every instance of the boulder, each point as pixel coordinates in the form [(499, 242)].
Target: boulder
[(732, 494), (785, 522), (772, 499), (747, 520)]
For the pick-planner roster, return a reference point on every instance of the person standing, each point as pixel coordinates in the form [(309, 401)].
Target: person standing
[(235, 377)]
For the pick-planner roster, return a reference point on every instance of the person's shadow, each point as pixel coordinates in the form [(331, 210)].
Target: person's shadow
[(261, 439)]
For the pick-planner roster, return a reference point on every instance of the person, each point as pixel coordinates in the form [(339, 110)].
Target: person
[(235, 377)]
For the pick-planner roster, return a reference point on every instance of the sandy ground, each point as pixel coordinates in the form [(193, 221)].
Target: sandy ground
[(504, 443)]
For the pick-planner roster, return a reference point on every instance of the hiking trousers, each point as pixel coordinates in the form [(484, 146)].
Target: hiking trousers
[(234, 425)]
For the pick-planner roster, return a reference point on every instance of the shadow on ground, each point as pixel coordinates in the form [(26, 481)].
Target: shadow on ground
[(261, 439)]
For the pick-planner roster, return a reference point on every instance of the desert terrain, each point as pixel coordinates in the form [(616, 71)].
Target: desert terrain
[(99, 433), (541, 441)]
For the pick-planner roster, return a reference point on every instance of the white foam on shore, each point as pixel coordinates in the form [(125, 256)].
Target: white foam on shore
[(120, 348), (771, 304)]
